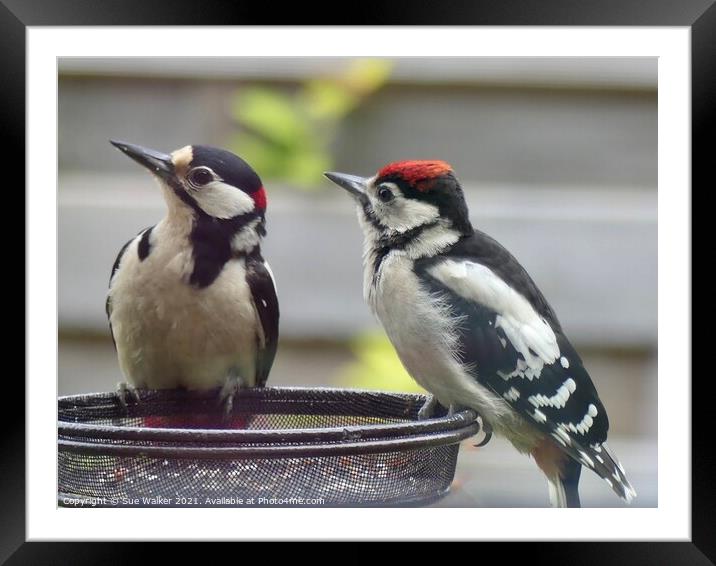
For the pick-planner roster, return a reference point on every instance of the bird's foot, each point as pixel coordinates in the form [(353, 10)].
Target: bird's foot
[(127, 392), (231, 387), (454, 408), (487, 429), (428, 408)]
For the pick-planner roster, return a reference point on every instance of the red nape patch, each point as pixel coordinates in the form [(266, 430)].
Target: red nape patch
[(414, 172), (259, 198)]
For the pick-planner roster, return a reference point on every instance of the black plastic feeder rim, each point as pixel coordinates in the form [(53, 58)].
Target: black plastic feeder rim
[(337, 447)]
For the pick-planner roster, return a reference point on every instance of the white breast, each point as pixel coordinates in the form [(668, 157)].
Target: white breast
[(423, 333), (169, 333)]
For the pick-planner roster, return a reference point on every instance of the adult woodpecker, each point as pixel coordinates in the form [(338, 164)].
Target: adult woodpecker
[(471, 326), (191, 302)]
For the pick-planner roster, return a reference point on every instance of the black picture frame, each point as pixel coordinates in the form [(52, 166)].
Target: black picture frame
[(698, 15)]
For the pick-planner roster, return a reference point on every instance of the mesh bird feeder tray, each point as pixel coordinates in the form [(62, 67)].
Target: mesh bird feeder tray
[(280, 447)]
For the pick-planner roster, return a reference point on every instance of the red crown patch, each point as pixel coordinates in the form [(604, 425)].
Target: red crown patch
[(416, 172)]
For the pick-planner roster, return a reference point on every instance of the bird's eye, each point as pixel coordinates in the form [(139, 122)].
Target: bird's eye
[(200, 176), (385, 194)]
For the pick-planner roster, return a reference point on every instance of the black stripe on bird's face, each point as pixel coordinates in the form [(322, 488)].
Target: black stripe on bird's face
[(397, 241), (212, 243), (391, 204), (443, 192)]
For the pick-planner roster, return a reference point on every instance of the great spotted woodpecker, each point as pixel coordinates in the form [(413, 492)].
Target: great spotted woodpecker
[(191, 301), (472, 328)]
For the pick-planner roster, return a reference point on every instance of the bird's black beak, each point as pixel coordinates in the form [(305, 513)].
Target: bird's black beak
[(158, 163), (353, 184)]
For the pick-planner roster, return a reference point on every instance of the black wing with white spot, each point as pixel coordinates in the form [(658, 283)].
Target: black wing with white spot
[(263, 292), (540, 376)]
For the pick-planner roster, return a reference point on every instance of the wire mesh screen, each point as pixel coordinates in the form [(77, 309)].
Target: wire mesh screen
[(279, 447)]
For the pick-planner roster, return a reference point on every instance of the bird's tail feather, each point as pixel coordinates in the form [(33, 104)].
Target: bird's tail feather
[(597, 458), (617, 480), (557, 496), (564, 491)]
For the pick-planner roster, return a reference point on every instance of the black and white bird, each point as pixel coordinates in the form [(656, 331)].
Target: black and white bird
[(471, 327), (192, 303)]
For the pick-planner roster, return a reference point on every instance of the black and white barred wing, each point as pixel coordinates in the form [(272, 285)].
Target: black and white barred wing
[(514, 351)]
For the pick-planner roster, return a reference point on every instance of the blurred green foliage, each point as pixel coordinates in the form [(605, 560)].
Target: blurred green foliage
[(377, 366), (287, 136)]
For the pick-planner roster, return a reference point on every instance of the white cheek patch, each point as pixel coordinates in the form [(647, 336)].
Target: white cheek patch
[(403, 214), (220, 200)]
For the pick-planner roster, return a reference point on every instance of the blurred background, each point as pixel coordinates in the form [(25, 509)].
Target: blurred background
[(558, 158)]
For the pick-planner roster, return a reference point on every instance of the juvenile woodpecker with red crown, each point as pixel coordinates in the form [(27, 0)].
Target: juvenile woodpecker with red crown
[(471, 327), (192, 302)]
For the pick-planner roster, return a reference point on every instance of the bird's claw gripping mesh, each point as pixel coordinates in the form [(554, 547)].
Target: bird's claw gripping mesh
[(280, 446)]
